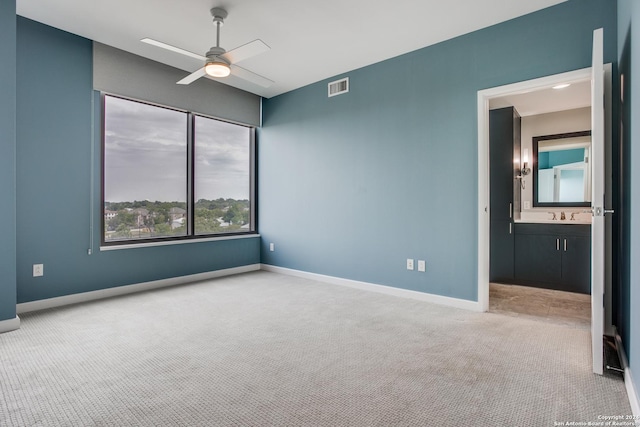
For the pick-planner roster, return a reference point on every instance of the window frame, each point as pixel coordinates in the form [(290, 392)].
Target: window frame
[(190, 182)]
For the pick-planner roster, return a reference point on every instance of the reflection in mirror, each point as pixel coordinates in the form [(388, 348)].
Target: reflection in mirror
[(562, 169)]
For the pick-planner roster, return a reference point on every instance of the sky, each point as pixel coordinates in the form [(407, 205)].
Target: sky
[(222, 160), (146, 155)]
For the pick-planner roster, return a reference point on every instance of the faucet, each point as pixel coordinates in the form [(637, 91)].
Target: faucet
[(562, 216)]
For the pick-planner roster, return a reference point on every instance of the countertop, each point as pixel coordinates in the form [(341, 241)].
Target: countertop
[(551, 221), (544, 217)]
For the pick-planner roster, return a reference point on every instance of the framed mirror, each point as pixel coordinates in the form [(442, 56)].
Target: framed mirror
[(562, 170)]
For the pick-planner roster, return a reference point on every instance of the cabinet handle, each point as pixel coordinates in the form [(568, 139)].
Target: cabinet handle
[(510, 210), (565, 245), (509, 228), (557, 244)]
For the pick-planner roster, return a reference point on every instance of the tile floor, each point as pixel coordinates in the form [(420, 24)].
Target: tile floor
[(558, 307)]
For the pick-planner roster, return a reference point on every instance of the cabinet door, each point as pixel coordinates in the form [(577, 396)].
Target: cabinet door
[(538, 259), (576, 264), (501, 158), (501, 254)]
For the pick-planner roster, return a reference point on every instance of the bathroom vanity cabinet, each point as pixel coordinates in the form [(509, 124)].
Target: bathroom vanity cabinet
[(553, 256)]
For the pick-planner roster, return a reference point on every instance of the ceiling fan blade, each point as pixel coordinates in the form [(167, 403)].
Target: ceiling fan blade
[(245, 51), (250, 76), (173, 48), (192, 77)]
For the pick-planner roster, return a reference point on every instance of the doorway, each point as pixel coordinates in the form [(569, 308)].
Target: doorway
[(540, 252), (484, 99), (504, 95)]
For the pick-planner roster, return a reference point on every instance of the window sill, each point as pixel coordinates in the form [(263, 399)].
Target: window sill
[(178, 242)]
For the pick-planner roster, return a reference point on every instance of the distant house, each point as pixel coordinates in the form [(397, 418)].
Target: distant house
[(177, 223), (177, 213), (141, 215), (109, 215)]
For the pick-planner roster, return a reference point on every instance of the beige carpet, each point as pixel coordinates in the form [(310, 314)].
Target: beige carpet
[(266, 349)]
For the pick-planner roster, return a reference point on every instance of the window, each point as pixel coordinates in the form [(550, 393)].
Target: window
[(222, 176), (170, 174)]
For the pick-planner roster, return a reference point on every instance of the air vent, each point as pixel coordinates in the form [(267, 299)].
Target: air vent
[(339, 87)]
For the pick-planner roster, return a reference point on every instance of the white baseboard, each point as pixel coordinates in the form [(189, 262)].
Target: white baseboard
[(9, 325), (630, 385), (388, 290), (26, 307), (633, 395)]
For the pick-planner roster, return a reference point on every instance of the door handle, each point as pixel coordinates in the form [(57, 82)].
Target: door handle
[(557, 244), (598, 211)]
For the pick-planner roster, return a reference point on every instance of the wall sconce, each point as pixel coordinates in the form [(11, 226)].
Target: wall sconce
[(525, 170)]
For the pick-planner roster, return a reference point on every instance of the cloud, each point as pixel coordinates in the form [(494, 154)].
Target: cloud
[(146, 154), (223, 153)]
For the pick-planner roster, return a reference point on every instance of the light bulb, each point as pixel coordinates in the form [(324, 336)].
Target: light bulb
[(217, 69)]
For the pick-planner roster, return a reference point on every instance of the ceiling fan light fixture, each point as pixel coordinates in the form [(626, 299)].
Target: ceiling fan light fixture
[(217, 69)]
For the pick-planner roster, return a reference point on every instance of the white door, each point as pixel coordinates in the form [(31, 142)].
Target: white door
[(597, 202)]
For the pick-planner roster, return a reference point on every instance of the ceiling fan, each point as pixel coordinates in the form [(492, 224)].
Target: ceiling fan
[(217, 61)]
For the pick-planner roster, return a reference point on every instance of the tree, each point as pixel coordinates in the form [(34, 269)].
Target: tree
[(124, 218), (123, 231), (162, 229), (206, 225), (179, 231), (233, 215), (208, 216)]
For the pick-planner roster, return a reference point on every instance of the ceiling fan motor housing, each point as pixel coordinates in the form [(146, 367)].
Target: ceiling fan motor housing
[(214, 54), (219, 14)]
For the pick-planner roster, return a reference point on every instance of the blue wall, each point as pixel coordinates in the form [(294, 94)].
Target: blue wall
[(550, 159), (54, 170), (629, 52), (352, 186), (7, 159)]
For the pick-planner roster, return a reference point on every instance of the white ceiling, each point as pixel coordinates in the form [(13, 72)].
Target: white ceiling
[(548, 100), (309, 40)]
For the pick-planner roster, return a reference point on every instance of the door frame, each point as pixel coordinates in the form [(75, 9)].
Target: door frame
[(484, 214)]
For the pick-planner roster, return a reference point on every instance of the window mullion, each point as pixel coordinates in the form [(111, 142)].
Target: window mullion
[(253, 199), (190, 174)]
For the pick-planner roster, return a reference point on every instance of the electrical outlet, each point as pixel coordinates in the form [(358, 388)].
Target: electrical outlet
[(527, 204), (409, 264), (422, 265), (272, 247), (38, 270)]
